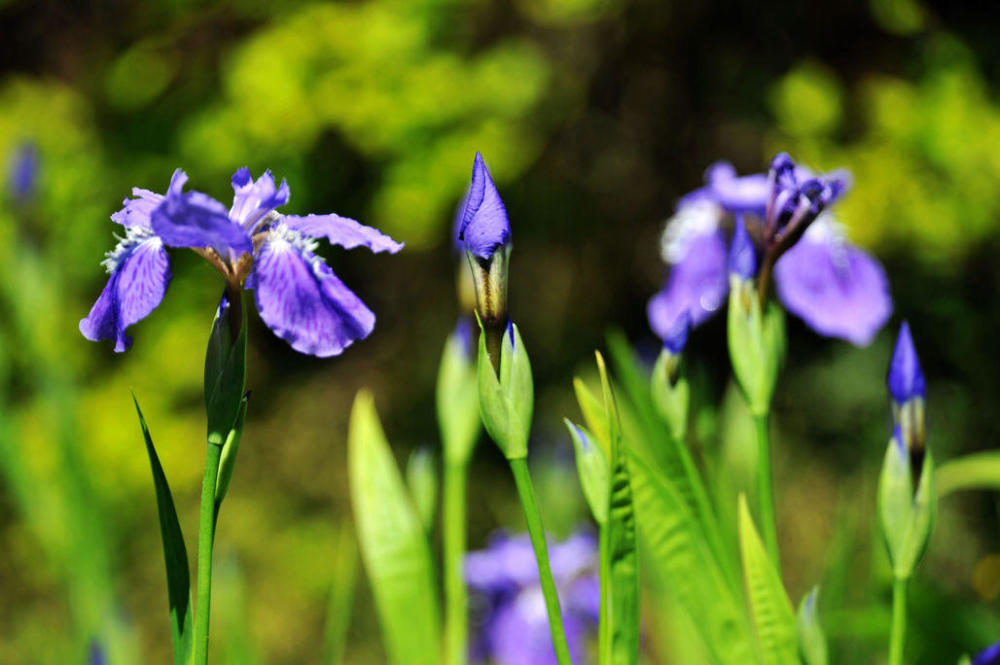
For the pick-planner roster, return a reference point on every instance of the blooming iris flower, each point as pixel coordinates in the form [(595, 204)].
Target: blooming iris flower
[(253, 246), (835, 287), (515, 627)]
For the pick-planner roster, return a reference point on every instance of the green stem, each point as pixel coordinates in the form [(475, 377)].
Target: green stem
[(456, 627), (526, 492), (898, 635), (765, 490), (604, 611), (206, 538)]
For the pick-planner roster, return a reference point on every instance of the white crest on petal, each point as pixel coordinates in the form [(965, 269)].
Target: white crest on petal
[(280, 233), (134, 236), (691, 220)]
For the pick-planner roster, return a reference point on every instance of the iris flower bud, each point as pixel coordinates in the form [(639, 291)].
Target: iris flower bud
[(908, 391), (506, 399), (669, 389)]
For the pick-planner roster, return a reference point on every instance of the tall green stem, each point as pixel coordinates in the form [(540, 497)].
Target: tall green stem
[(206, 538), (526, 492), (765, 490), (898, 635), (456, 626)]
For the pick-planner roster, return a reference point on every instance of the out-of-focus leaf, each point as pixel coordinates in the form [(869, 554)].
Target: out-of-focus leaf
[(338, 611), (174, 553), (812, 640), (593, 413), (421, 477), (676, 547), (770, 609), (977, 471), (592, 467), (619, 559), (393, 547)]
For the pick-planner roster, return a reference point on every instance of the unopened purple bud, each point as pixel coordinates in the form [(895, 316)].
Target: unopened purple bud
[(906, 379), (484, 227), (22, 175), (463, 333), (677, 335), (742, 259)]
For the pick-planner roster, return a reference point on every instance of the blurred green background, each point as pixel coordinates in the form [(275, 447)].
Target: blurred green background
[(594, 116)]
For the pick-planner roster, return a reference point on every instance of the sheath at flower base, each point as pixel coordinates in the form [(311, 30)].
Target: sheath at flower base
[(514, 628), (253, 246), (834, 287)]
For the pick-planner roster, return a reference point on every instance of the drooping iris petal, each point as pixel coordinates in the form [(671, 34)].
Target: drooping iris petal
[(519, 632), (193, 219), (137, 210), (302, 301), (736, 194), (140, 273), (484, 221), (835, 287), (342, 231), (988, 656), (252, 200), (698, 284)]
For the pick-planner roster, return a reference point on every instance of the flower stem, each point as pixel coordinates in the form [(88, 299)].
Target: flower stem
[(206, 538), (456, 627), (765, 490), (898, 634), (526, 492)]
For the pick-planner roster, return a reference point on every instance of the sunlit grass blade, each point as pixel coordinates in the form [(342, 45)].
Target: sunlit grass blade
[(174, 554), (619, 558), (977, 471), (338, 611), (393, 546), (770, 609), (675, 545)]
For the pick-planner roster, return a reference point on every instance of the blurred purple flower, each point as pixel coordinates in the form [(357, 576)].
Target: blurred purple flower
[(836, 288), (95, 654), (255, 247), (514, 628), (742, 258), (988, 656), (22, 171), (484, 227)]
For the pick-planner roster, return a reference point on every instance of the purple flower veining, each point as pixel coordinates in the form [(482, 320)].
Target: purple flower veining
[(297, 294), (514, 627), (836, 288)]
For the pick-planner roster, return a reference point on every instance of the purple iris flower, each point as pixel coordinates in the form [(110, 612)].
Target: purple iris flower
[(515, 628), (254, 247), (906, 379), (988, 656), (835, 287), (22, 171)]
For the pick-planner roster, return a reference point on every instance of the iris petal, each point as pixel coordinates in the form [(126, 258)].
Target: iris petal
[(698, 284), (835, 287), (252, 200), (342, 231), (193, 219), (484, 220), (140, 273), (303, 302)]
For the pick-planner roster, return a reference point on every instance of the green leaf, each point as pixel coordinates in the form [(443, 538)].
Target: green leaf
[(978, 471), (677, 550), (422, 480), (593, 412), (338, 610), (393, 546), (174, 554), (457, 400), (620, 562), (770, 609)]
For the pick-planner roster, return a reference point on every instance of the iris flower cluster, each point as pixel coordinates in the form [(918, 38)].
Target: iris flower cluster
[(504, 577), (832, 285), (254, 247)]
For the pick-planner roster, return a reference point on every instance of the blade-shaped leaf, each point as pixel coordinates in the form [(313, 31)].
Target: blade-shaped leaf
[(338, 610), (174, 553), (977, 471), (770, 609), (681, 558), (620, 561), (393, 547)]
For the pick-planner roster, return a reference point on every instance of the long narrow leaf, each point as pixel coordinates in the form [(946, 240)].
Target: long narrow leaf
[(978, 471), (773, 617), (174, 554), (619, 548), (338, 611), (676, 547), (393, 546)]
